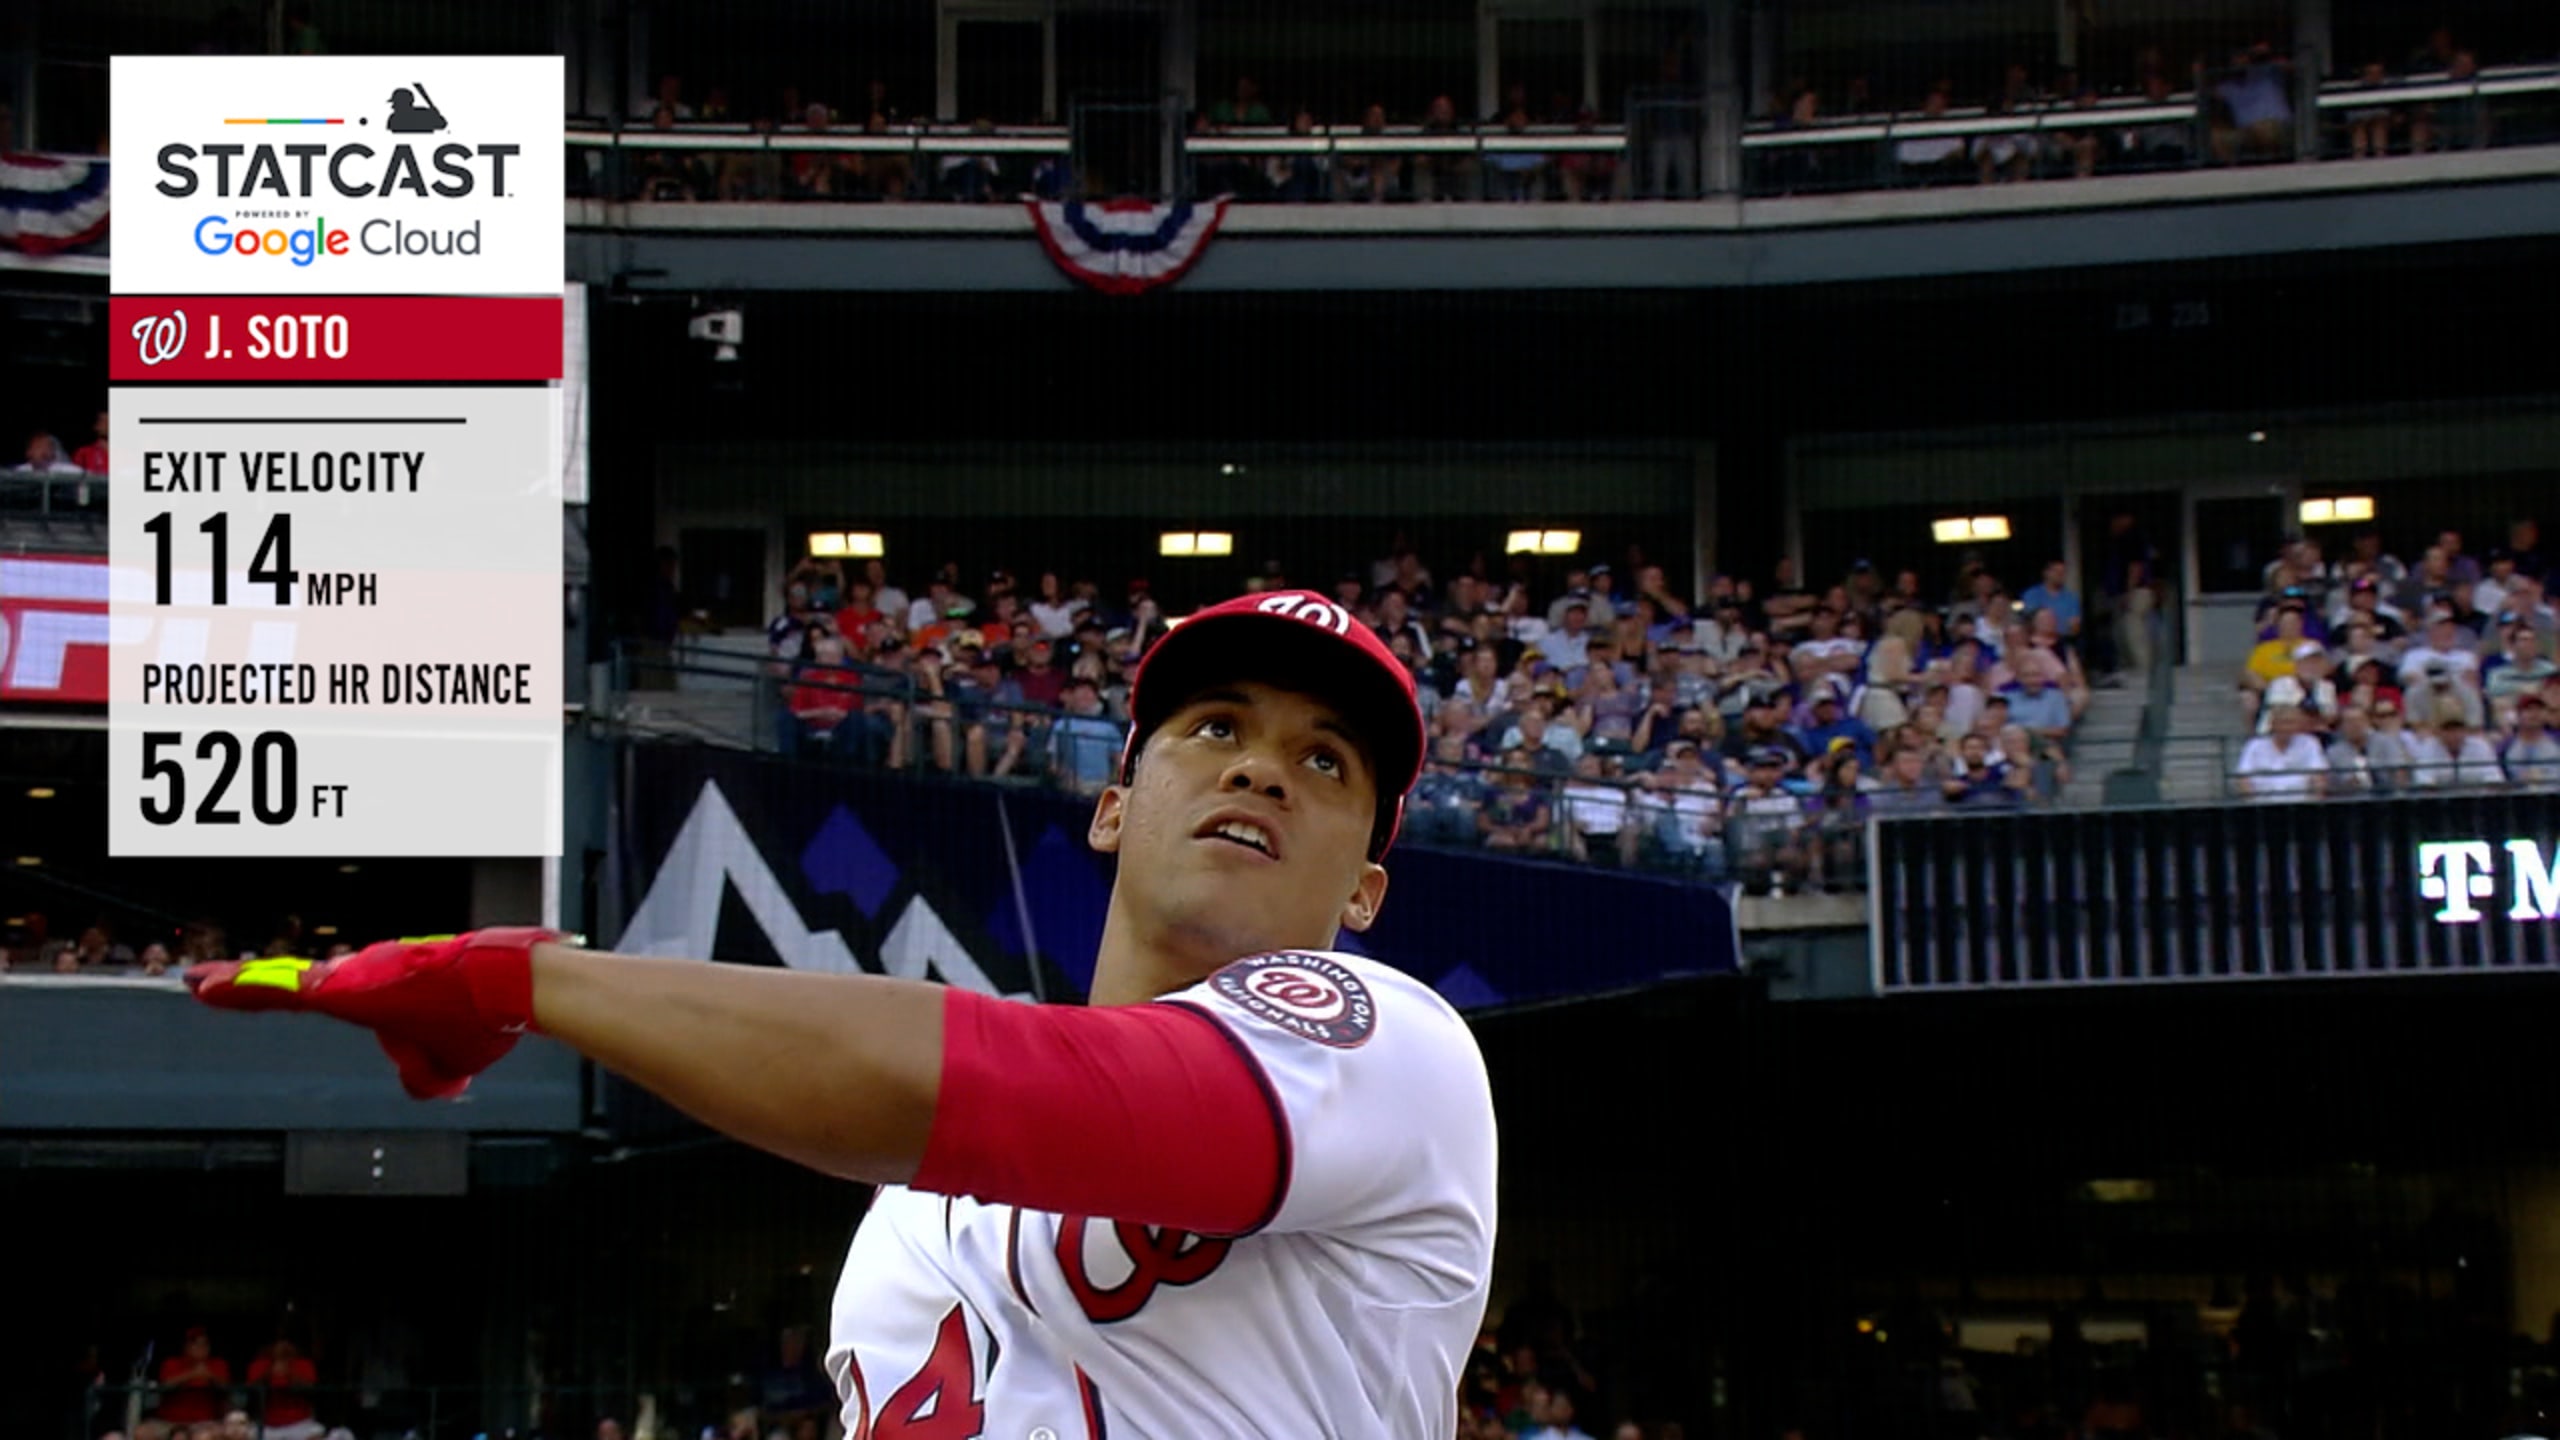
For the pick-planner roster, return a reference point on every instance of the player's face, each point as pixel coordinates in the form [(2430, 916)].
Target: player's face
[(1246, 827)]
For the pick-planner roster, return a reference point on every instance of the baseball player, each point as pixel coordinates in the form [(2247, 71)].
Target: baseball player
[(1247, 1191)]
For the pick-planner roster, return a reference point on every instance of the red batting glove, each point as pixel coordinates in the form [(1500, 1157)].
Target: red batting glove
[(445, 1008)]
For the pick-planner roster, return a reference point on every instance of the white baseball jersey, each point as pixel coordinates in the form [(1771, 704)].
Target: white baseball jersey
[(1350, 1314)]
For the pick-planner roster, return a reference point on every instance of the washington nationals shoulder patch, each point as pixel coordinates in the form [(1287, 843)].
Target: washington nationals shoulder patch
[(1314, 997)]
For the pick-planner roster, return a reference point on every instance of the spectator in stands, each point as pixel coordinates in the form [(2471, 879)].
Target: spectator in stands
[(1672, 127), (287, 1379), (2034, 703), (1839, 824), (45, 457), (2457, 124), (1367, 175), (1831, 726), (1444, 175), (1559, 1419), (1517, 174), (1515, 816), (92, 457), (2524, 541), (2531, 755), (2517, 671), (1825, 652), (1548, 747), (824, 693), (968, 178), (2462, 756), (2273, 657), (2052, 593), (2369, 127), (821, 174), (2365, 603), (1680, 812), (2004, 155), (1588, 175), (2361, 759), (1931, 160), (2286, 762), (1597, 815), (2442, 658), (1446, 800), (2084, 142), (1765, 829), (1084, 742), (1906, 784), (668, 175), (1980, 777), (194, 1382), (2309, 689), (2256, 107), (2167, 144)]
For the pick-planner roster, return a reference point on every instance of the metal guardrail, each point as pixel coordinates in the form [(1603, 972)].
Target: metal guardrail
[(671, 1410), (1828, 852)]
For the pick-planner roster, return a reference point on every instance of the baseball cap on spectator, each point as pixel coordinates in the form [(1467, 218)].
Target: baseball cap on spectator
[(1289, 639), (1597, 571), (2307, 649), (1765, 755)]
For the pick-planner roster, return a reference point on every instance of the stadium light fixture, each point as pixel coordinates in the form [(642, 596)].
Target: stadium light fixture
[(845, 544), (1194, 543), (1957, 529), (2337, 510), (40, 792), (1543, 542)]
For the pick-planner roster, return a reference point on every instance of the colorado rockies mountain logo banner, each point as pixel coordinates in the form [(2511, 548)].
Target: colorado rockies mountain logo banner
[(755, 860), (48, 205), (1126, 247)]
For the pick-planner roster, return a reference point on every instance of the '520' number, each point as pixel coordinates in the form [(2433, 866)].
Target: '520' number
[(271, 774)]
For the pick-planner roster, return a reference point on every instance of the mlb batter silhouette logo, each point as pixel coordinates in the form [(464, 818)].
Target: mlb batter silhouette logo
[(414, 113)]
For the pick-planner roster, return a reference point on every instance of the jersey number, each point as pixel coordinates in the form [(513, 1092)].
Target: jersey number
[(947, 1384)]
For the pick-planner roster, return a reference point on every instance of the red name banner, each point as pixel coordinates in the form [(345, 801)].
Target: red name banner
[(53, 628), (414, 338)]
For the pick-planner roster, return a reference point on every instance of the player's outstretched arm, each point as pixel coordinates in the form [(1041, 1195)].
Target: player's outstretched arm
[(837, 1072), (1149, 1113)]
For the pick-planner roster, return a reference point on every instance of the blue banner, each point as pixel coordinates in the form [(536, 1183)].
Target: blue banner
[(748, 858)]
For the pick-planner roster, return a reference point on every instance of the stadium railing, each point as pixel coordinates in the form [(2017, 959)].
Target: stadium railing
[(672, 1410), (2515, 105), (741, 703)]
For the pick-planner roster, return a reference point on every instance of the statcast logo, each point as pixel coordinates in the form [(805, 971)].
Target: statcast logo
[(352, 170), (2459, 872)]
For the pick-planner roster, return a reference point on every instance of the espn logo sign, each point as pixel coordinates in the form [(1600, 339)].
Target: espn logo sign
[(53, 629), (2459, 872)]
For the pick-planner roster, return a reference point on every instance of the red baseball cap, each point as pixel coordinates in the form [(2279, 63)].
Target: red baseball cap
[(1297, 640)]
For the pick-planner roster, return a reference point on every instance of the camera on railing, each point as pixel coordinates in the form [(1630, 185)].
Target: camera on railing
[(726, 330)]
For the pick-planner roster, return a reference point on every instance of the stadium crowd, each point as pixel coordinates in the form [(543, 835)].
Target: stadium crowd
[(2231, 108), (137, 945), (1745, 734), (2372, 676)]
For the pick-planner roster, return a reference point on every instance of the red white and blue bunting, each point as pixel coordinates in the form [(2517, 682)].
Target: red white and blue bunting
[(1127, 247), (50, 205)]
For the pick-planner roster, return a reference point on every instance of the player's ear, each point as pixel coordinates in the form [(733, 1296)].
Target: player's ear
[(1104, 833), (1361, 910)]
